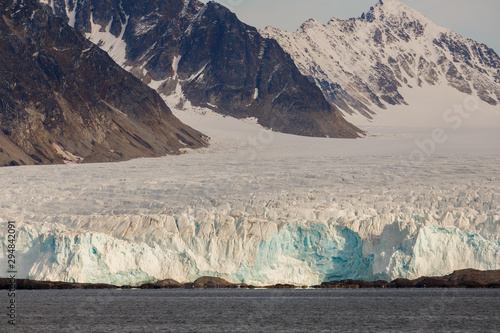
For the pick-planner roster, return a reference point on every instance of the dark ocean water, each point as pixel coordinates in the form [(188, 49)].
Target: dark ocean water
[(255, 311)]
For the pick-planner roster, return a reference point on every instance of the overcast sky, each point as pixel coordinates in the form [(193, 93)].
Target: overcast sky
[(476, 19)]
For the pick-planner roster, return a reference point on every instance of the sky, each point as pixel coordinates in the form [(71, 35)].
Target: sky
[(476, 19)]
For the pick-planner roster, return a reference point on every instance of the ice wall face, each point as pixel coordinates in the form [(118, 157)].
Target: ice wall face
[(302, 254), (432, 249), (310, 254), (54, 255)]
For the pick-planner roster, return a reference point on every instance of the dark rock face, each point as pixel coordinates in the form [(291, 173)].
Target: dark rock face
[(467, 278), (163, 284), (210, 282), (281, 286), (25, 284), (63, 99), (218, 61), (354, 284), (204, 282)]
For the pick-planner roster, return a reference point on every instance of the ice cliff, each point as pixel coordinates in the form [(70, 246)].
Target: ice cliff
[(259, 244)]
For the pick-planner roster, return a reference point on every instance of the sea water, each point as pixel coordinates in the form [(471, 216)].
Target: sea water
[(304, 310)]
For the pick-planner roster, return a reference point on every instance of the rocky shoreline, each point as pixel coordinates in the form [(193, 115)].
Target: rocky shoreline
[(468, 278)]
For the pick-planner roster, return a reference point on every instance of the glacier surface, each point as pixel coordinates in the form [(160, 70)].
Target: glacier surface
[(262, 208)]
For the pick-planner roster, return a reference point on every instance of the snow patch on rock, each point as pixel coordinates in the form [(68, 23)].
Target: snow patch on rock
[(114, 46)]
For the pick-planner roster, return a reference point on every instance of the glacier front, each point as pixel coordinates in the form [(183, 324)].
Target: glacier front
[(243, 247)]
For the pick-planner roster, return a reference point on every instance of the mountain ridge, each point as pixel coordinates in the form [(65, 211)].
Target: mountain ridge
[(64, 100), (209, 58), (361, 63)]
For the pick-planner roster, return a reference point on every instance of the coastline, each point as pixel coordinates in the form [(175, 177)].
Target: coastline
[(467, 278)]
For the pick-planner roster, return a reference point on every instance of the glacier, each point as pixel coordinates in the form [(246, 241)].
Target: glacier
[(261, 208), (298, 253)]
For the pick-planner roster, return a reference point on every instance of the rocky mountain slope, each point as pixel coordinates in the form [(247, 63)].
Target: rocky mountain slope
[(362, 64), (63, 99), (205, 56)]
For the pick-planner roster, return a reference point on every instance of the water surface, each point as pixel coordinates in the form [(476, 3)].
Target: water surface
[(434, 310)]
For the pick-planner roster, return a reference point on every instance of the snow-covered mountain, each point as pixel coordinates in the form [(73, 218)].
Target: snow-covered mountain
[(62, 99), (363, 64), (206, 57)]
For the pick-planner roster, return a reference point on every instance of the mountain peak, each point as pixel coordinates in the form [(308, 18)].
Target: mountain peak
[(203, 54), (310, 23), (389, 8), (368, 63), (389, 2)]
